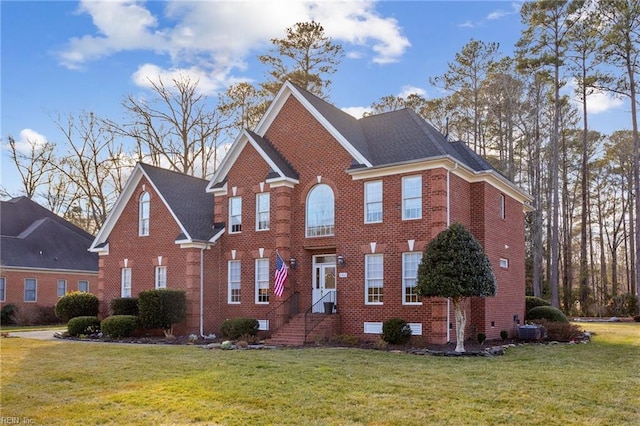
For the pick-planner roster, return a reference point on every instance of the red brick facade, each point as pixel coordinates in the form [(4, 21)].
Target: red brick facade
[(449, 194), (46, 294)]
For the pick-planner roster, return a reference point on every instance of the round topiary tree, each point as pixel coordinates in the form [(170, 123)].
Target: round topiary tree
[(162, 309), (533, 302), (77, 304), (454, 265), (548, 313)]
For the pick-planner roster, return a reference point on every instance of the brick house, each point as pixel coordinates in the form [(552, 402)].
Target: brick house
[(345, 206), (42, 256)]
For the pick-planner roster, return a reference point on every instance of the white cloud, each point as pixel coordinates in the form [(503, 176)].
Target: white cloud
[(601, 101), (214, 38), (412, 90), (598, 101), (28, 139), (467, 24), (356, 112)]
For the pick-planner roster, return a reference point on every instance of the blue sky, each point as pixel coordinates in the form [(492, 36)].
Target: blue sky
[(65, 57)]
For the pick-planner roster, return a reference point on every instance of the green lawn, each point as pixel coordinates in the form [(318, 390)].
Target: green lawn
[(96, 383)]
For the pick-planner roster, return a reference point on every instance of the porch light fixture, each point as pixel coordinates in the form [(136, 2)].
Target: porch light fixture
[(293, 263), (341, 261)]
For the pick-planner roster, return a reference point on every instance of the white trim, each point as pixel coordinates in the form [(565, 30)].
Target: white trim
[(450, 164), (47, 271), (263, 325)]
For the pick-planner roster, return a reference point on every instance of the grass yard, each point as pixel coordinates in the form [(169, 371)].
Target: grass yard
[(96, 383)]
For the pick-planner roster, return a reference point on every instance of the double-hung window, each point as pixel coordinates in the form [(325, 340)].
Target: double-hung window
[(234, 281), (3, 289), (161, 277), (125, 283), (410, 262), (412, 197), (262, 211), (503, 213), (62, 287), (262, 281), (374, 282), (30, 290), (83, 285), (235, 214), (373, 202)]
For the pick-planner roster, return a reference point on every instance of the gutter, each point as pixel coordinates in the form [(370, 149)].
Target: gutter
[(455, 166)]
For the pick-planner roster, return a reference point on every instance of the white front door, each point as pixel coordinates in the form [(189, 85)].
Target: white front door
[(324, 281)]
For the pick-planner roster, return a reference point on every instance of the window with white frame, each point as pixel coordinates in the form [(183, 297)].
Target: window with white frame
[(262, 280), (161, 277), (504, 263), (410, 262), (83, 286), (30, 290), (62, 288), (3, 289), (374, 283), (234, 282), (503, 213), (263, 207), (320, 211), (235, 214), (125, 283), (411, 197), (373, 202), (144, 211)]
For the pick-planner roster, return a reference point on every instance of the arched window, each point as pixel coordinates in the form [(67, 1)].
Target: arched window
[(320, 211), (143, 222)]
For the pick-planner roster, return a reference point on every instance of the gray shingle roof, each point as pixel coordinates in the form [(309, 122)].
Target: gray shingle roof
[(34, 237), (394, 137), (187, 198), (275, 156)]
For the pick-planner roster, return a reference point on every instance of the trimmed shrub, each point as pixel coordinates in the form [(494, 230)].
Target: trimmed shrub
[(77, 304), (533, 302), (548, 313), (162, 309), (6, 314), (124, 306), (396, 331), (234, 328), (83, 325), (119, 325), (504, 334)]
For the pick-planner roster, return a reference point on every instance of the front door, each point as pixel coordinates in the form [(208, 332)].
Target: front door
[(324, 281)]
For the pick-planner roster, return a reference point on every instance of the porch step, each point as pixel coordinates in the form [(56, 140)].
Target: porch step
[(293, 332)]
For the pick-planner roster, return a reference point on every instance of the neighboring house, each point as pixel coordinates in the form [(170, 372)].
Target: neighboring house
[(42, 256), (348, 204)]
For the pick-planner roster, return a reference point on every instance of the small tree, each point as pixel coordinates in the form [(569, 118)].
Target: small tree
[(162, 309), (454, 265)]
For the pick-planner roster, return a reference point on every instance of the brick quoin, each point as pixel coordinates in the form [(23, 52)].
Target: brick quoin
[(448, 195)]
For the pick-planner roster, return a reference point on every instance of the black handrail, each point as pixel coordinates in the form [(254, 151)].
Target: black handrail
[(281, 314), (311, 321)]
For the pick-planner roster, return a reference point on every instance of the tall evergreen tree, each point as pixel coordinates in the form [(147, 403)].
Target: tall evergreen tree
[(305, 56)]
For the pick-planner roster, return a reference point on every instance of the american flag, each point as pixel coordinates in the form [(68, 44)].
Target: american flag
[(280, 276)]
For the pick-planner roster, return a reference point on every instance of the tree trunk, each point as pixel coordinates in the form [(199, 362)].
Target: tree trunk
[(461, 321)]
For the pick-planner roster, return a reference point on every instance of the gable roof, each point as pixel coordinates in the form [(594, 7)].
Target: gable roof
[(34, 237), (374, 142), (183, 195)]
